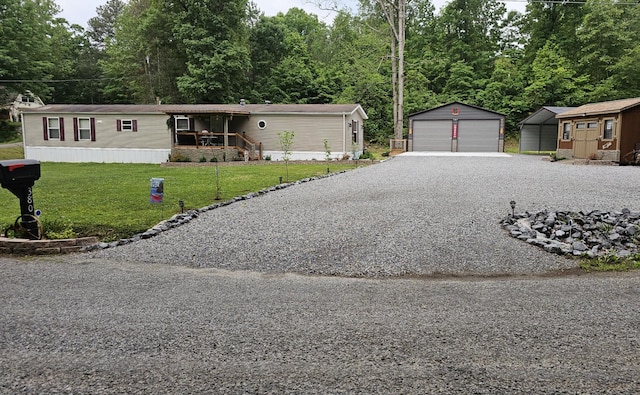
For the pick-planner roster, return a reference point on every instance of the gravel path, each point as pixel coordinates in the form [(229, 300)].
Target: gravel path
[(406, 216)]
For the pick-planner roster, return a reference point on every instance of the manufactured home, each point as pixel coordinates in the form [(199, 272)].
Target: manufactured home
[(154, 133)]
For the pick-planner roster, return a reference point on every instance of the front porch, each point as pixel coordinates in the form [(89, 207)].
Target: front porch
[(223, 147)]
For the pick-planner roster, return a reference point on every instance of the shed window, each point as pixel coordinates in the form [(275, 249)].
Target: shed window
[(566, 130), (581, 125), (592, 125), (608, 129)]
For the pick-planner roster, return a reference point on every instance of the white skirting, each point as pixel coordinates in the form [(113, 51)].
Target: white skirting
[(99, 155)]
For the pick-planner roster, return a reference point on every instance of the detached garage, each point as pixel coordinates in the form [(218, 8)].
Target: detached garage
[(456, 127)]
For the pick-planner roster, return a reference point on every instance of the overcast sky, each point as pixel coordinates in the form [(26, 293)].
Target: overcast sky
[(80, 11)]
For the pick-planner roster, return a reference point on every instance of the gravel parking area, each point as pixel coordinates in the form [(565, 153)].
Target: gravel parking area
[(410, 215), (218, 305)]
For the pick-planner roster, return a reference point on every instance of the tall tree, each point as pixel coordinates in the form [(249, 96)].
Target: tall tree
[(102, 28), (214, 36), (26, 59)]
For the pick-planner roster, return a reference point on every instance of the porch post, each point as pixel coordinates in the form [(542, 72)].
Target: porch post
[(226, 133)]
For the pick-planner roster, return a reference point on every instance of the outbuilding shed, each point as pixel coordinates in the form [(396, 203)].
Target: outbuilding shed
[(539, 131), (606, 131), (456, 127)]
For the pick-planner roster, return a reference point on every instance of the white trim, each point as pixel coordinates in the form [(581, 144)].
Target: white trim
[(97, 155)]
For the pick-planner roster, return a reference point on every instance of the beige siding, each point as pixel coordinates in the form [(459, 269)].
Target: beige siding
[(152, 133), (310, 131)]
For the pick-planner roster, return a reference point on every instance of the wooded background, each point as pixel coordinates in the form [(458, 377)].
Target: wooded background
[(221, 51)]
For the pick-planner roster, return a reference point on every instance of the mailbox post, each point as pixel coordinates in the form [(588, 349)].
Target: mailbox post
[(18, 176)]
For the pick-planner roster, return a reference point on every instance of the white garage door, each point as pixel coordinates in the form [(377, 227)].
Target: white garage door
[(432, 136), (478, 136)]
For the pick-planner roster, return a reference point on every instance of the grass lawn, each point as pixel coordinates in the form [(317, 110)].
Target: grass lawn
[(111, 201)]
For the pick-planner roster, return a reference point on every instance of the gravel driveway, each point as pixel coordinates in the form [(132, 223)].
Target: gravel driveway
[(218, 305), (407, 216)]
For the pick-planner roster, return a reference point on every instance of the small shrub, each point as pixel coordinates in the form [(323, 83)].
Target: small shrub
[(179, 158), (213, 159), (386, 153), (611, 262), (203, 159), (366, 155), (57, 229), (267, 157)]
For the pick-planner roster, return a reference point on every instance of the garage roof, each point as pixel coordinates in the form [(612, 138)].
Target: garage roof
[(607, 107), (545, 116)]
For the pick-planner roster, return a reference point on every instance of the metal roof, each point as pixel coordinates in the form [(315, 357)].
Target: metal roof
[(545, 116), (607, 107), (97, 108), (239, 109), (452, 103)]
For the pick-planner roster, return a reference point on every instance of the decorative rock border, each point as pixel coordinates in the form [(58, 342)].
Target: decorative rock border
[(180, 219), (44, 247), (592, 234)]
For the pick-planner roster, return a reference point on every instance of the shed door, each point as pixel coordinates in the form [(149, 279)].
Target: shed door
[(478, 135), (432, 136)]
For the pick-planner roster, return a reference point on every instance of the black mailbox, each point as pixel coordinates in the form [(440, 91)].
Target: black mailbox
[(19, 170), (18, 176)]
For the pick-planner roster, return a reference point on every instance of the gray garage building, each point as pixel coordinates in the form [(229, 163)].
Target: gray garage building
[(539, 131), (456, 127)]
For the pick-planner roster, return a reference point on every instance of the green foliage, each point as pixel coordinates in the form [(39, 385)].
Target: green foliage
[(9, 131), (611, 263), (327, 149), (95, 199), (286, 142), (58, 229), (11, 152)]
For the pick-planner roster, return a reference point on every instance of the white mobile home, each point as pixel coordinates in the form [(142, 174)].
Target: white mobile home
[(151, 133)]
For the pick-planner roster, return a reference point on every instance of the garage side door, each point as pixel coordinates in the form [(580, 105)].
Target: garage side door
[(478, 136), (432, 136)]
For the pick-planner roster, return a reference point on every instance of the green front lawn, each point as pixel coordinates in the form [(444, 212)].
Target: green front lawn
[(111, 201)]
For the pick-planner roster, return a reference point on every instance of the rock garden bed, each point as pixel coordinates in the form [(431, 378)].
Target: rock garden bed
[(592, 234)]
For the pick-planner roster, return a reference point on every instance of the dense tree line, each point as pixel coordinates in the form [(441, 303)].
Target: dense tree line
[(214, 51)]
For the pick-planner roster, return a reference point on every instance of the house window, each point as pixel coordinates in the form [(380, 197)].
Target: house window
[(354, 131), (53, 128), (182, 124), (84, 128), (608, 129), (566, 130), (126, 125)]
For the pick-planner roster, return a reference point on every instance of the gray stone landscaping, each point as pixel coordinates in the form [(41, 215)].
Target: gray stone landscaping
[(592, 234)]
